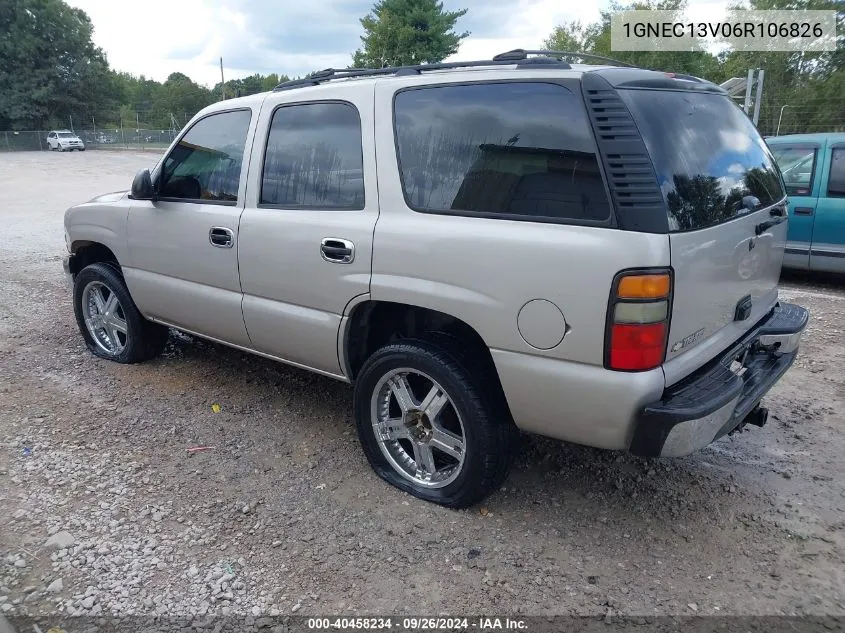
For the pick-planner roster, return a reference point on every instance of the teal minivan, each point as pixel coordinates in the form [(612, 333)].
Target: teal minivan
[(813, 167)]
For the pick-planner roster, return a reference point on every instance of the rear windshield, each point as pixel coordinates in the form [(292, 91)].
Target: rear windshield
[(711, 162)]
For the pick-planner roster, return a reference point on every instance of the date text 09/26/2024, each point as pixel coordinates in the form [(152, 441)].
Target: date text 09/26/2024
[(417, 624)]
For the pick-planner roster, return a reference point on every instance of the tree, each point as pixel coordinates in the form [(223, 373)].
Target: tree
[(50, 65), (406, 32), (571, 36), (810, 84)]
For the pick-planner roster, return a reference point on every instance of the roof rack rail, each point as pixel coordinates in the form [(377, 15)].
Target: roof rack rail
[(329, 74), (519, 54)]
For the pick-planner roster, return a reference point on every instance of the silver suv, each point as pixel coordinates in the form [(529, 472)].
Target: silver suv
[(585, 252)]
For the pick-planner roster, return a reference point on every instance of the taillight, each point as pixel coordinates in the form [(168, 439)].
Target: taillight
[(638, 320)]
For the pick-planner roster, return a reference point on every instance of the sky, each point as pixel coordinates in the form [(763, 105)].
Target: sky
[(158, 37)]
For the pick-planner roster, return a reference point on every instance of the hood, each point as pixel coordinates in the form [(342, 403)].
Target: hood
[(109, 197)]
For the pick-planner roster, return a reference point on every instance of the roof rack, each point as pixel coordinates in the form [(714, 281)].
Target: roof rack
[(519, 53), (518, 56)]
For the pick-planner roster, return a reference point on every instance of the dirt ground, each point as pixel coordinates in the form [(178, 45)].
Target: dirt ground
[(284, 515)]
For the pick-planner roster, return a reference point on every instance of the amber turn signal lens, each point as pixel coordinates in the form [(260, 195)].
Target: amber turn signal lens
[(643, 287)]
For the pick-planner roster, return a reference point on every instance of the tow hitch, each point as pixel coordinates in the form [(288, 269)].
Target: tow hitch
[(758, 416)]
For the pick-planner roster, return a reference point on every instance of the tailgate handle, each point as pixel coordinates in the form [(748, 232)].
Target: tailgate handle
[(765, 226), (803, 210)]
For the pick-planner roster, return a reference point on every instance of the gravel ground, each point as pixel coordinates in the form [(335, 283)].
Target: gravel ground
[(103, 511)]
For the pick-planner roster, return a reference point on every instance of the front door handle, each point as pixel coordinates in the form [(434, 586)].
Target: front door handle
[(221, 237), (337, 250), (803, 211)]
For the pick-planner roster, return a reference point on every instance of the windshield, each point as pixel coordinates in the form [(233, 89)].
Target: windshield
[(712, 164), (66, 135)]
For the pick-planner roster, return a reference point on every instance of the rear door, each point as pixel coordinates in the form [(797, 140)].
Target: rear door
[(727, 218), (307, 231), (799, 164), (828, 249)]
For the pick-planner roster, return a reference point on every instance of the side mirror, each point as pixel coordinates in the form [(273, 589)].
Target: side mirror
[(142, 186)]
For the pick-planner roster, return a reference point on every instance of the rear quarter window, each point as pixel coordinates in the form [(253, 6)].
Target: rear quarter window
[(516, 150), (836, 184)]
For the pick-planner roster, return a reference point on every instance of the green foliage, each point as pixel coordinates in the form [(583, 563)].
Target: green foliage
[(405, 32), (51, 72), (811, 85), (250, 85), (49, 65)]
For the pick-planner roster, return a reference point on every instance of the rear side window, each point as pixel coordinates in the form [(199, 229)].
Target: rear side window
[(314, 158), (515, 150), (205, 165), (711, 162), (836, 184), (797, 165)]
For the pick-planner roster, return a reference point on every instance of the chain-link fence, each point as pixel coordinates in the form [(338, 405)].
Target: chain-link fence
[(36, 140)]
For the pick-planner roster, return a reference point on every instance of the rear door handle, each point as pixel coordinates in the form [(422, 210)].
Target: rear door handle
[(336, 250), (221, 237), (803, 210)]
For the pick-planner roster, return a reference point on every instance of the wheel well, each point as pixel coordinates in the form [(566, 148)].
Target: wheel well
[(374, 324), (87, 253)]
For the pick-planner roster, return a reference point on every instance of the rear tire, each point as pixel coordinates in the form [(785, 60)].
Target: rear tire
[(404, 446), (110, 323)]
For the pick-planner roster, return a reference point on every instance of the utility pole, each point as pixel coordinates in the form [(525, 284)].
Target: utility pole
[(748, 85), (222, 81), (759, 98), (780, 118)]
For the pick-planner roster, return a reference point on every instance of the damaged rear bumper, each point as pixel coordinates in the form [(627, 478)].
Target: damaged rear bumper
[(726, 393)]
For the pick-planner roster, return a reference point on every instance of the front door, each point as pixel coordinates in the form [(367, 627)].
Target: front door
[(307, 230), (798, 164), (183, 247), (828, 250)]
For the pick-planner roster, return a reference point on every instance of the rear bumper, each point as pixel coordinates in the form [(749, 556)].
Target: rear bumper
[(724, 394)]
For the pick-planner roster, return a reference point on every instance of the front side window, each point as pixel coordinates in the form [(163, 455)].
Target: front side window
[(836, 184), (314, 158), (206, 163), (518, 150), (797, 164)]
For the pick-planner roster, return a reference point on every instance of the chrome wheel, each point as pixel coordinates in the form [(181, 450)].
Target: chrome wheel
[(418, 428), (104, 318)]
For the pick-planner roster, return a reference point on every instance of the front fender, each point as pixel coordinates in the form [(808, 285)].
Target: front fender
[(98, 223)]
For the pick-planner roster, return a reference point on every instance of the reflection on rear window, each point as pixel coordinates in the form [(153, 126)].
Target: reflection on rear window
[(712, 164)]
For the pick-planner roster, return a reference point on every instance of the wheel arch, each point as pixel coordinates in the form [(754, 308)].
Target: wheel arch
[(87, 252), (370, 324)]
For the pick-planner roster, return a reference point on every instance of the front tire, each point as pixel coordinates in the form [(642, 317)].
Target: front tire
[(429, 427), (108, 319)]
